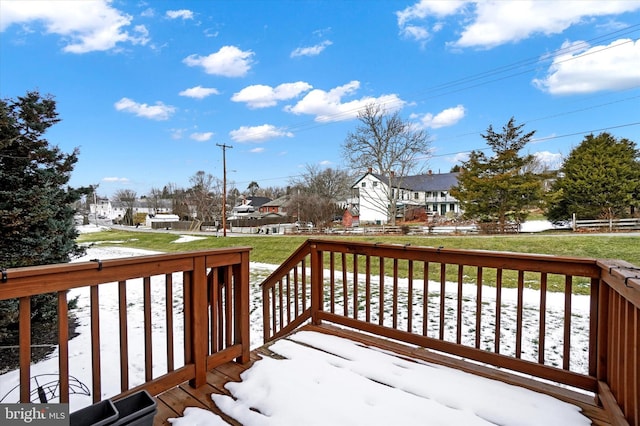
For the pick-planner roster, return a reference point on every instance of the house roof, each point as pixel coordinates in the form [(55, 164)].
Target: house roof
[(278, 202), (428, 182), (257, 201)]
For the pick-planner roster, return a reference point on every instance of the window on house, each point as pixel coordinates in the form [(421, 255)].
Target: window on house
[(443, 194), (452, 207), (364, 184), (416, 196), (374, 184)]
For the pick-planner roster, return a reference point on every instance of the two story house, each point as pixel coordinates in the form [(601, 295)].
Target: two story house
[(429, 191)]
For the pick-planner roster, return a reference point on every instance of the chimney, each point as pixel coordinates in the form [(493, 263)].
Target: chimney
[(369, 170), (430, 172), (393, 174)]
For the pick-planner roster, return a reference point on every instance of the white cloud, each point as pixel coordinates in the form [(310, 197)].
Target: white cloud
[(182, 14), (257, 150), (199, 92), (328, 106), (445, 118), (229, 61), (148, 13), (588, 69), (258, 133), (422, 10), (550, 160), (325, 163), (261, 96), (85, 26), (311, 50), (460, 157), (159, 111), (201, 137), (488, 24), (498, 23), (115, 179)]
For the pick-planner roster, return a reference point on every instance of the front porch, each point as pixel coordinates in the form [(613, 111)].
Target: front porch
[(413, 301)]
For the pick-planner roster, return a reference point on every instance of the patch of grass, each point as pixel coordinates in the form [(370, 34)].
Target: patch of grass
[(276, 249)]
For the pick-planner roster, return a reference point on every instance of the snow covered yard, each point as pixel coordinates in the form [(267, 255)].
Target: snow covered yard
[(262, 372)]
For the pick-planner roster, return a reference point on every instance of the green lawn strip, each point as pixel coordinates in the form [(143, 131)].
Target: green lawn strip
[(276, 249)]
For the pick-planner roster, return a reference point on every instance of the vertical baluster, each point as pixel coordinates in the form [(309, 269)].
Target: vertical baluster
[(266, 314), (148, 344), (395, 293), (355, 286), (478, 306), (288, 299), (186, 297), (273, 311), (498, 319), (543, 318), (296, 299), (214, 301), (168, 297), (24, 326), (367, 290), (304, 284), (280, 302), (410, 297), (459, 305), (220, 311), (95, 344), (332, 282), (593, 328), (381, 295), (228, 304), (63, 346), (345, 290), (519, 311), (566, 356), (124, 337), (425, 299), (443, 284)]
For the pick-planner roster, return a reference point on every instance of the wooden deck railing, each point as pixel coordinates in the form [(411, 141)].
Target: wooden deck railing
[(447, 308), (204, 299)]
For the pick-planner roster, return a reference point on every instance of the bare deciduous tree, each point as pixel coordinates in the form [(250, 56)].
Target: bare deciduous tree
[(128, 198), (391, 146), (205, 195)]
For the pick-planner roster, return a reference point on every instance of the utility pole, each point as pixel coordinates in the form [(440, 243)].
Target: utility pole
[(224, 187)]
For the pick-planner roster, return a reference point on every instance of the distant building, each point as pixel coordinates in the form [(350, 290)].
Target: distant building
[(429, 191)]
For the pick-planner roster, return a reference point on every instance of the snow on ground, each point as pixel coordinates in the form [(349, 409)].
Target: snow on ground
[(188, 238), (350, 368), (86, 229)]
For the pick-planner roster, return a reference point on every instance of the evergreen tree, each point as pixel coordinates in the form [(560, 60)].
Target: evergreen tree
[(36, 204), (599, 179), (499, 189)]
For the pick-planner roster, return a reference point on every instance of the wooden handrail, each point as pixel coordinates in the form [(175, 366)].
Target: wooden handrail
[(189, 272), (345, 277)]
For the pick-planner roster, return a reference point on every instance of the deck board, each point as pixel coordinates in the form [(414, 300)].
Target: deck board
[(173, 402)]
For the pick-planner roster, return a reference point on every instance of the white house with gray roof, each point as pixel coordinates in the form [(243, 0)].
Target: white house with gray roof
[(430, 191)]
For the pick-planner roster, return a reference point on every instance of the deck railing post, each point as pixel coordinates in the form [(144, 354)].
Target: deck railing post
[(199, 322), (241, 294), (316, 284)]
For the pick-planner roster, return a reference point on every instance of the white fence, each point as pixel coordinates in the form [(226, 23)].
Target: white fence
[(610, 224)]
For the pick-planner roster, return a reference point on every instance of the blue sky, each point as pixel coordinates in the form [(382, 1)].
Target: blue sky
[(147, 90)]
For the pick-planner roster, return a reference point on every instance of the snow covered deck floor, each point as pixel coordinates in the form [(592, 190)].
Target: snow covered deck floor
[(316, 376)]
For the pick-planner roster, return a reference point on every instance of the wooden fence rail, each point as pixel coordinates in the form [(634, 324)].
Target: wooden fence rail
[(204, 304), (448, 308)]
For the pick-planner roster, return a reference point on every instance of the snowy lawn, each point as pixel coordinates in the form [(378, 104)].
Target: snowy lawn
[(347, 365)]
